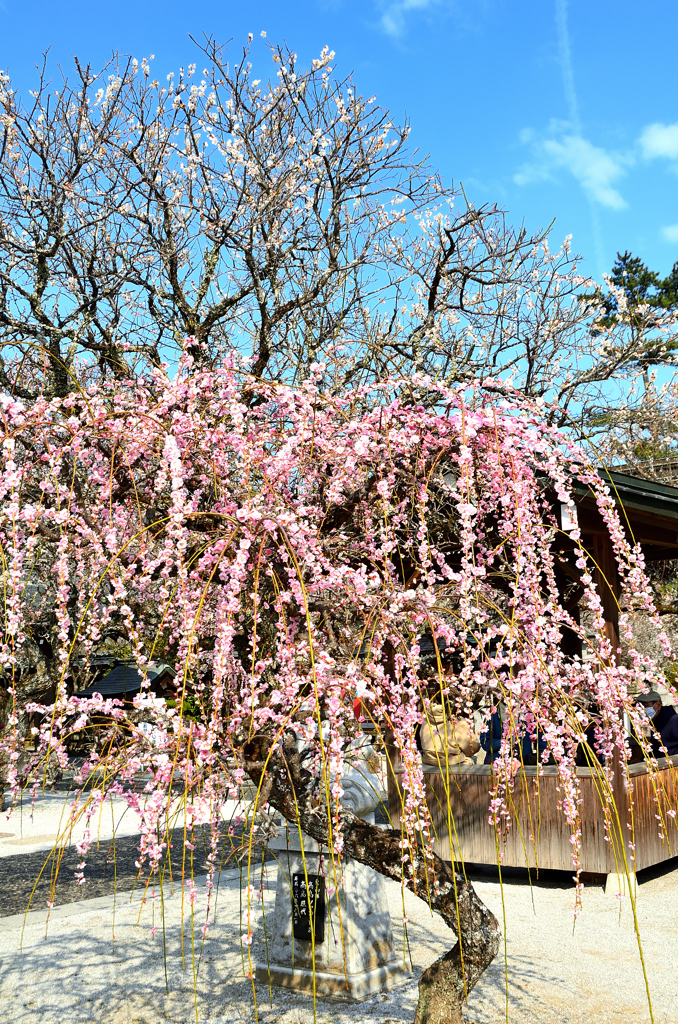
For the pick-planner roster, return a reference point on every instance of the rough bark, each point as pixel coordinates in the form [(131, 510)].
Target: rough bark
[(446, 984)]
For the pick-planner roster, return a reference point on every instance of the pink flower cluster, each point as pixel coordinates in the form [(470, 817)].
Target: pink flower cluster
[(260, 535)]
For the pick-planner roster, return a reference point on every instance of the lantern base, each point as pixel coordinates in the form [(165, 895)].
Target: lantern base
[(334, 986)]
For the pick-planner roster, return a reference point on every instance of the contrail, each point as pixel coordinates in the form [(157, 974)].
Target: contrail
[(575, 120), (566, 65)]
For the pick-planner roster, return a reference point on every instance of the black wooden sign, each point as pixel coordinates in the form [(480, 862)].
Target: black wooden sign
[(308, 907)]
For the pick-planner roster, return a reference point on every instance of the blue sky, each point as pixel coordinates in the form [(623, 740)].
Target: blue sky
[(554, 109)]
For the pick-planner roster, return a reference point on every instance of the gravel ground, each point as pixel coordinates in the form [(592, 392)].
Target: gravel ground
[(94, 962), (37, 826), (34, 840), (31, 879), (29, 827)]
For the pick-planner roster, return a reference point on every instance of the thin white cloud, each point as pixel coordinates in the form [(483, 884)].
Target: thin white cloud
[(596, 169), (393, 20), (660, 140), (670, 233)]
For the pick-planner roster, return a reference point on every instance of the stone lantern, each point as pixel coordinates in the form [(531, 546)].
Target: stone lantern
[(331, 929)]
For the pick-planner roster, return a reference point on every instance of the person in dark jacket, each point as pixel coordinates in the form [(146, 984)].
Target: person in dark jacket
[(490, 738), (664, 721), (527, 751), (533, 749), (587, 754)]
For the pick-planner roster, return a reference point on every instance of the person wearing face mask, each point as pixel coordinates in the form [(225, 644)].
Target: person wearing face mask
[(664, 721)]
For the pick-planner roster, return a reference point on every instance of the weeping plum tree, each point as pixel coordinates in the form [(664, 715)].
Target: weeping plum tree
[(258, 534), (328, 464)]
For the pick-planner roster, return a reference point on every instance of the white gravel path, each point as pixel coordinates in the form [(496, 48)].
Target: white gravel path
[(74, 973), (32, 826)]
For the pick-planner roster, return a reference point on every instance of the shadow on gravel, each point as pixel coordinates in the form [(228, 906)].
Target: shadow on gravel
[(545, 879), (29, 880), (73, 976), (657, 870)]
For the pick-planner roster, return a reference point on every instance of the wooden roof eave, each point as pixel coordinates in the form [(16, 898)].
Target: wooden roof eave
[(649, 511)]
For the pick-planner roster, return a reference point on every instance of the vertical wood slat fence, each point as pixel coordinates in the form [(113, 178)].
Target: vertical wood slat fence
[(539, 836)]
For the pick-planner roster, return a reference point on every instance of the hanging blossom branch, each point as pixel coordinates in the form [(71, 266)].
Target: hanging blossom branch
[(257, 544)]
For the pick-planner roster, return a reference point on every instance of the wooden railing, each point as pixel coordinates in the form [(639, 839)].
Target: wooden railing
[(539, 836)]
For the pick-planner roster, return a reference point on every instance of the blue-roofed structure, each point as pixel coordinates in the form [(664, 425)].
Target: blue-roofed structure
[(125, 680)]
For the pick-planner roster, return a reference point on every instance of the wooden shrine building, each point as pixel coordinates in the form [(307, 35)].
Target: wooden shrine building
[(539, 836)]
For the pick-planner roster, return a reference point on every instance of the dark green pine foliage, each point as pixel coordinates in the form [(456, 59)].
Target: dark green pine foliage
[(668, 291), (644, 288), (646, 292)]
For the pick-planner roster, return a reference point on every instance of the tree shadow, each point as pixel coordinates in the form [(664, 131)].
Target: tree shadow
[(97, 965), (29, 880)]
